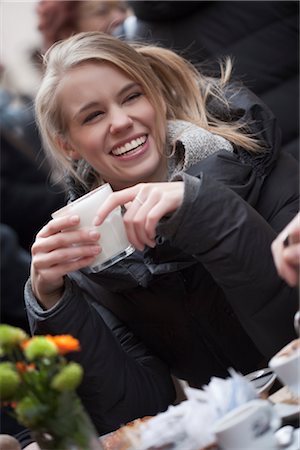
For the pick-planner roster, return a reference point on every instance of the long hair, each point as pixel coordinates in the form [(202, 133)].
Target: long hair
[(170, 83)]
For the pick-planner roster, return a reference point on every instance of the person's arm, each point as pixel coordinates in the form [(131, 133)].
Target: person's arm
[(232, 241), (120, 384)]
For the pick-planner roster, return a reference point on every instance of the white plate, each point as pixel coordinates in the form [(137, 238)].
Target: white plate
[(262, 379)]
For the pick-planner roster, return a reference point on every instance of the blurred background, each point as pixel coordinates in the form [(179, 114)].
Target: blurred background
[(19, 36)]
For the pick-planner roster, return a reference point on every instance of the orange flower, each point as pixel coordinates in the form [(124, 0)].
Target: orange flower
[(24, 344), (23, 367), (65, 343)]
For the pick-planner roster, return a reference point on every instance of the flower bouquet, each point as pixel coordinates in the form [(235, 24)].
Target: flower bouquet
[(38, 385)]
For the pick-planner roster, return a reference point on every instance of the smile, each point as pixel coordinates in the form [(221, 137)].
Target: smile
[(129, 146)]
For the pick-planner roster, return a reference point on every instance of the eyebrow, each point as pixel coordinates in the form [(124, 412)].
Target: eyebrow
[(95, 104)]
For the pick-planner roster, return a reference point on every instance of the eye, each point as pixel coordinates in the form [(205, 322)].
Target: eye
[(133, 96), (92, 116)]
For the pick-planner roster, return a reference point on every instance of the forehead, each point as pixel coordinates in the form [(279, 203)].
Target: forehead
[(93, 72)]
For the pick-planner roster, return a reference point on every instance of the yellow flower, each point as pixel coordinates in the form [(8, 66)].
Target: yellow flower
[(39, 347), (10, 337), (30, 411), (39, 385), (68, 379), (65, 343), (9, 381)]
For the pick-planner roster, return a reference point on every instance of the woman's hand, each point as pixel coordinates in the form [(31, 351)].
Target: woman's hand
[(286, 252), (58, 250), (146, 204)]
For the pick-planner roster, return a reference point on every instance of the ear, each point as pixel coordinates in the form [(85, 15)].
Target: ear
[(66, 147)]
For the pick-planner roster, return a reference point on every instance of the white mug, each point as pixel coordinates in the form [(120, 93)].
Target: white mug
[(113, 238), (286, 365), (247, 427)]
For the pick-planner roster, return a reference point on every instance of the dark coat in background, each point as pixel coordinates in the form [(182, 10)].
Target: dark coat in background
[(261, 36)]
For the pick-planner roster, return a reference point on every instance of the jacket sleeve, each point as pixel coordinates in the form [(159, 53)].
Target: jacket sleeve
[(121, 382), (232, 240)]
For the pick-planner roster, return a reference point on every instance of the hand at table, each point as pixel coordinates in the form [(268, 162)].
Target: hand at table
[(146, 204), (57, 251), (286, 252)]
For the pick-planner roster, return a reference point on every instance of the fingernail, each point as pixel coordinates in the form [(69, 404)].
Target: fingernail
[(75, 219), (96, 250), (94, 234)]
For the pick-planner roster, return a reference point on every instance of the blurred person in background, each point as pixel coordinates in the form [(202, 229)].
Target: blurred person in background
[(60, 19)]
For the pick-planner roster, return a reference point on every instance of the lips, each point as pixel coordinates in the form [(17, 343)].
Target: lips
[(129, 146)]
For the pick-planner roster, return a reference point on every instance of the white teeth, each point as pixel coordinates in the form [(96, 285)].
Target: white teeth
[(129, 146)]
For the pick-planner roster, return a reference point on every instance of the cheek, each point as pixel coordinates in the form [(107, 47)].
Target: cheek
[(149, 116), (89, 138)]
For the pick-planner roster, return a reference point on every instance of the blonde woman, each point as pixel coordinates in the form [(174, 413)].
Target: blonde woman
[(196, 161)]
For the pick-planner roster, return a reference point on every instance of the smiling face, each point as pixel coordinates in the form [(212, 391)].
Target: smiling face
[(111, 124)]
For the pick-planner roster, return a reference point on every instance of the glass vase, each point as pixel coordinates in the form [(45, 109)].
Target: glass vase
[(74, 431)]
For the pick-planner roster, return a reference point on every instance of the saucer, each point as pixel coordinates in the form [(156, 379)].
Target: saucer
[(262, 379), (286, 410)]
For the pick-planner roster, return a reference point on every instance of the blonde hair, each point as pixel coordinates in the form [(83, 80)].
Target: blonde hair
[(170, 83)]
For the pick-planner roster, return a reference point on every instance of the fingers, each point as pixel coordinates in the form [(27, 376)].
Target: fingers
[(57, 225), (119, 198), (57, 246), (60, 248), (146, 204), (286, 252), (290, 264), (135, 220), (66, 239)]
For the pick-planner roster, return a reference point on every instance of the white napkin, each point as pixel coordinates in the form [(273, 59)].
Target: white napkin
[(189, 424)]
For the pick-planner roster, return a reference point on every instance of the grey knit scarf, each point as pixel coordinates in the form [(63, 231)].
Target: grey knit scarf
[(188, 144)]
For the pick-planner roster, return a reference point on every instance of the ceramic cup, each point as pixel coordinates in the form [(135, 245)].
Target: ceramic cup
[(286, 365), (249, 426), (113, 239)]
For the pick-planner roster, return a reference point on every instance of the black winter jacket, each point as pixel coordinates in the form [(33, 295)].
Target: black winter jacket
[(206, 298)]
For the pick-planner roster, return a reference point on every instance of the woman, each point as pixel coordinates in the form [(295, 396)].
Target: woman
[(196, 162)]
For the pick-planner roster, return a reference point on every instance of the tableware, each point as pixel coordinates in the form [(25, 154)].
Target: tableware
[(113, 239), (287, 411), (286, 365), (262, 379), (284, 436), (295, 444), (286, 406), (249, 426)]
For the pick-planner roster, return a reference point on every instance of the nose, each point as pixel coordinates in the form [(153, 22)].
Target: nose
[(119, 120)]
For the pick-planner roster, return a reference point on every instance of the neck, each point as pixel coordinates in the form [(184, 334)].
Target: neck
[(160, 175)]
